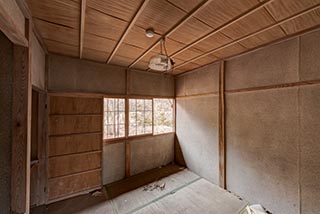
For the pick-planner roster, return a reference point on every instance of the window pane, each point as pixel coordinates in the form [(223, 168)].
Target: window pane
[(110, 104), (148, 105), (149, 128), (140, 118), (163, 115), (148, 117), (132, 117), (121, 105), (113, 119), (132, 105), (110, 117), (132, 129), (121, 131), (140, 105), (122, 118), (110, 131)]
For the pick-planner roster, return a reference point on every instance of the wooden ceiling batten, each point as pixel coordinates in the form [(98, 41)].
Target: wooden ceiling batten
[(82, 25), (255, 33), (176, 26), (130, 25), (219, 29)]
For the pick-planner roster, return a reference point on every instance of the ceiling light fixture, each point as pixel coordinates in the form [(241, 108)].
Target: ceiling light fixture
[(150, 32), (161, 62)]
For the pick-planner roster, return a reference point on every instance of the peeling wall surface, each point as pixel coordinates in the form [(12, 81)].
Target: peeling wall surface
[(6, 75), (272, 127), (197, 120), (38, 63)]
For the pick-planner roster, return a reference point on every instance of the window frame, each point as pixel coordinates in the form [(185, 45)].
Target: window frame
[(125, 119), (127, 112), (137, 135), (173, 116)]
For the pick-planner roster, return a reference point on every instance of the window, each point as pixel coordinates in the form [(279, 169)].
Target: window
[(145, 116), (114, 118), (140, 116), (163, 115)]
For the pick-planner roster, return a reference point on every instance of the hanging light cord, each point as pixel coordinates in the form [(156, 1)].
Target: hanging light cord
[(163, 45)]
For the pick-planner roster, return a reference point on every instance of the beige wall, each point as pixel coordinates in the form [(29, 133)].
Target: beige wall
[(75, 75), (197, 120), (146, 153), (38, 63), (272, 133)]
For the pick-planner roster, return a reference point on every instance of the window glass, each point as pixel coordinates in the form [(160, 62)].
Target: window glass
[(114, 118), (140, 116), (163, 116)]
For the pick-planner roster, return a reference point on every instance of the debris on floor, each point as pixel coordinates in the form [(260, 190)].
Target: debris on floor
[(154, 186), (256, 209)]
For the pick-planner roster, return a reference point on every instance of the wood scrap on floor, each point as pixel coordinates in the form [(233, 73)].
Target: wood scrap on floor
[(154, 186)]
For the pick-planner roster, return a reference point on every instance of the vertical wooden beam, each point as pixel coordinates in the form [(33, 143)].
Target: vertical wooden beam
[(222, 143), (82, 23), (128, 157), (127, 143), (42, 151), (21, 130)]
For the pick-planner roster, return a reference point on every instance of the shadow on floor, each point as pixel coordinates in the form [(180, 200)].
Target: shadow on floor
[(97, 204)]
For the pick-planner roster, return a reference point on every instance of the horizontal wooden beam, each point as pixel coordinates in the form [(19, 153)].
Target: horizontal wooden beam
[(268, 87), (219, 29), (252, 34), (174, 28), (12, 22)]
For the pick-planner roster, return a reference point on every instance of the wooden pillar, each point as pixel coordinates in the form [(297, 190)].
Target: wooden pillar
[(21, 129), (222, 143), (127, 143)]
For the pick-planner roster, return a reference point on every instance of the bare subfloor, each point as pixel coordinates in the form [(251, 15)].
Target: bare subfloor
[(181, 192)]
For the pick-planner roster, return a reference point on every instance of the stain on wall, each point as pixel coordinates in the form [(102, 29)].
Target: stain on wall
[(38, 63)]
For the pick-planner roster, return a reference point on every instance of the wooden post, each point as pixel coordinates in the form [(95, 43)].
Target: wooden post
[(127, 143), (222, 143), (21, 130)]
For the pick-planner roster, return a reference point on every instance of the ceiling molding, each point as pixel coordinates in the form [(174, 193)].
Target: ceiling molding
[(254, 33)]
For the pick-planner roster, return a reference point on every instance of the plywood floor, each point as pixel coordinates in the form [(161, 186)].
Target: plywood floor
[(182, 192)]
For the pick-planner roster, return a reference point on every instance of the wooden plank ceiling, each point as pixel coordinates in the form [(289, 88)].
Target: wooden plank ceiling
[(197, 32)]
